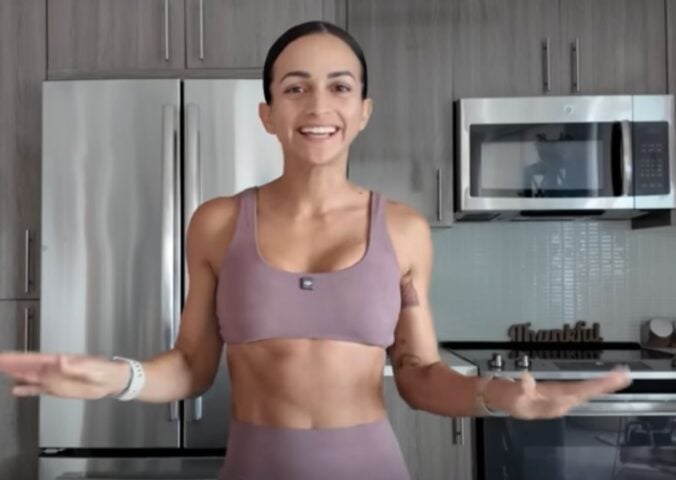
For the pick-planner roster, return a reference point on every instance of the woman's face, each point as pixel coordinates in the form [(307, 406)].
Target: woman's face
[(316, 109)]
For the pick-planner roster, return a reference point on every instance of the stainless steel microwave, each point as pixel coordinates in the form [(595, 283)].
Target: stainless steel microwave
[(553, 157)]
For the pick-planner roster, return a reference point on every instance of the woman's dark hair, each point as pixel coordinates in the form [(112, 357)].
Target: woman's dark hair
[(309, 28)]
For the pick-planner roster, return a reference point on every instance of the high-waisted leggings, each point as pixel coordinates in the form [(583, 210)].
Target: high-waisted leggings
[(367, 451)]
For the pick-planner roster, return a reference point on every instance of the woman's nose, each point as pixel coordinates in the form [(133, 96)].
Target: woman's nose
[(318, 103)]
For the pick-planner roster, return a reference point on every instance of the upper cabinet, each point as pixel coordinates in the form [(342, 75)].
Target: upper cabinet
[(406, 150), (22, 51), (115, 36), (238, 33), (613, 46), (505, 48), (671, 45), (103, 38)]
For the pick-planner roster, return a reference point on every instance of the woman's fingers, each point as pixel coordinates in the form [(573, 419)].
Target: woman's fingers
[(27, 390), (587, 389), (18, 363)]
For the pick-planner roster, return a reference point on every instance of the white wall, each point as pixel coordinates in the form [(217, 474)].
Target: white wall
[(488, 276)]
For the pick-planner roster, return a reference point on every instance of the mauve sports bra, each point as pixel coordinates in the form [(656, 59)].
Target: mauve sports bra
[(257, 301)]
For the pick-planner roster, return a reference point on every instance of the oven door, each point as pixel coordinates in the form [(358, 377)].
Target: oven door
[(604, 447), (546, 154)]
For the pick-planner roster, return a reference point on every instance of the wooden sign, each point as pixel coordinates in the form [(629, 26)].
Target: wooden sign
[(579, 333)]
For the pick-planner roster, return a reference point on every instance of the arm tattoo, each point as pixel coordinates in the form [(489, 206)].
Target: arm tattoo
[(409, 295), (407, 360)]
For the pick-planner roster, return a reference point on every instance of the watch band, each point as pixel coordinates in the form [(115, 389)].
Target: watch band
[(137, 380)]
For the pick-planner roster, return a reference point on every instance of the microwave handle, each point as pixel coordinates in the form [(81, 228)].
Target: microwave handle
[(627, 159)]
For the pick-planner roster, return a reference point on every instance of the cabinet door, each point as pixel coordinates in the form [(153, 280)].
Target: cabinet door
[(613, 46), (18, 416), (238, 33), (22, 60), (671, 47), (505, 48), (434, 447), (112, 37), (406, 151)]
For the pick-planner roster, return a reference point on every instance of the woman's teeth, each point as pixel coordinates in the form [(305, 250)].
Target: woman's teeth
[(318, 131)]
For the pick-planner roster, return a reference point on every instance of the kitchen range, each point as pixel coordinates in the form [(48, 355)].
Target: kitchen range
[(629, 435)]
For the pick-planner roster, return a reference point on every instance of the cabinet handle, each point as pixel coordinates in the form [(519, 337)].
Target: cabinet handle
[(202, 30), (27, 316), (547, 65), (440, 198), (458, 432), (166, 30), (575, 47), (28, 283)]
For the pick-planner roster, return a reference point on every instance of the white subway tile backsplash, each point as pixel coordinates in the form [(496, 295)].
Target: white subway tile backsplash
[(488, 276)]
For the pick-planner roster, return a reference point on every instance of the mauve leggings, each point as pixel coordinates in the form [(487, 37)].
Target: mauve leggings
[(367, 451)]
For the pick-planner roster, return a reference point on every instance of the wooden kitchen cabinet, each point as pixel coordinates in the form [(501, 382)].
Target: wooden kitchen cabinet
[(238, 33), (613, 46), (671, 45), (434, 447), (103, 37), (18, 416), (406, 150), (22, 60), (505, 48)]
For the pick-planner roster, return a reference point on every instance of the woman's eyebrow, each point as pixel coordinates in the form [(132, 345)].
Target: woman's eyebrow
[(304, 74), (296, 73), (340, 73)]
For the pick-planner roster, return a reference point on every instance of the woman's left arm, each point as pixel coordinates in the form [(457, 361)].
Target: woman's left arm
[(427, 383)]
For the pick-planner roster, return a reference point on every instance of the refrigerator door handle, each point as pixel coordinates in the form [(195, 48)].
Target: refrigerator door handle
[(197, 412), (193, 194), (170, 250), (193, 167)]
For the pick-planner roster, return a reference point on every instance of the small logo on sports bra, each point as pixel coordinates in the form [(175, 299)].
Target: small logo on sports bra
[(306, 283)]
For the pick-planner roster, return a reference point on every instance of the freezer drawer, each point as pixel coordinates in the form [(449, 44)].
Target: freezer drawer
[(165, 468)]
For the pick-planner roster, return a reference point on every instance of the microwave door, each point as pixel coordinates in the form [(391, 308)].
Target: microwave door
[(549, 167)]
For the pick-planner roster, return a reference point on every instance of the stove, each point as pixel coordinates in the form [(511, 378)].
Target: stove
[(629, 434)]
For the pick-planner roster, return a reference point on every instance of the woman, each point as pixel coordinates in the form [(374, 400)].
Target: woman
[(310, 280)]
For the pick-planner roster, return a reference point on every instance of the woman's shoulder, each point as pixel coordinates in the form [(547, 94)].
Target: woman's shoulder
[(212, 226), (402, 218)]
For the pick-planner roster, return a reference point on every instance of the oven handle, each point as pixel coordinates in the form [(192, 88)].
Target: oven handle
[(631, 406)]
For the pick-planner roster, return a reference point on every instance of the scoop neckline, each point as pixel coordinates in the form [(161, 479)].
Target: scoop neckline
[(270, 266)]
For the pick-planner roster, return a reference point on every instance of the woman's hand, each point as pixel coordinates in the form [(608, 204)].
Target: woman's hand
[(68, 376), (527, 399)]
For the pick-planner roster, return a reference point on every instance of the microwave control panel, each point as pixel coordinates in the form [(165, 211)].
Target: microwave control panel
[(651, 158)]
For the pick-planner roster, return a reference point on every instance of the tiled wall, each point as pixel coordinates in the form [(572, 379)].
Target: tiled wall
[(488, 276)]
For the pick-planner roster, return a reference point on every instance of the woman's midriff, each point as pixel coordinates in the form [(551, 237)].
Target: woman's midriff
[(306, 383)]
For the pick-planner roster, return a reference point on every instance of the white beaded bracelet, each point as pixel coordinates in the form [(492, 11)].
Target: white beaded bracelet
[(137, 380)]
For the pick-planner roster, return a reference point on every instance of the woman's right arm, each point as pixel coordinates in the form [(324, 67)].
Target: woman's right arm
[(184, 371)]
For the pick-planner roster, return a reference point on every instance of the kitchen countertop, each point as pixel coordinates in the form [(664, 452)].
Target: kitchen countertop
[(453, 361)]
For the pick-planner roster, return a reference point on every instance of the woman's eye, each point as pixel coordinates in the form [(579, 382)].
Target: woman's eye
[(342, 88)]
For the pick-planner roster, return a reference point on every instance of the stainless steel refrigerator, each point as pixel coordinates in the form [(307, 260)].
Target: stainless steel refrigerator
[(125, 164)]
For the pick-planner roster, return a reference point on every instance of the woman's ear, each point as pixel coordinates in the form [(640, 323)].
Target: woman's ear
[(264, 114), (366, 110)]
